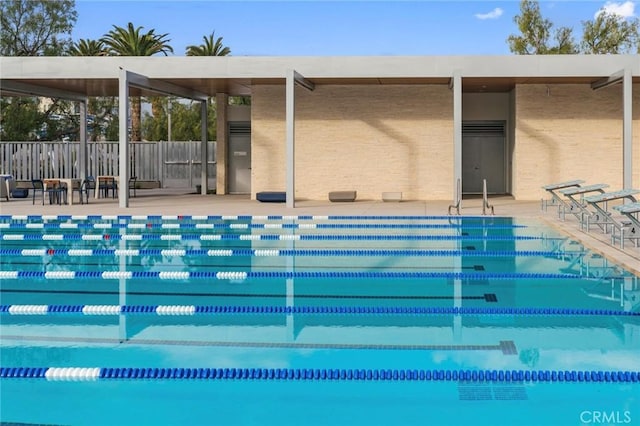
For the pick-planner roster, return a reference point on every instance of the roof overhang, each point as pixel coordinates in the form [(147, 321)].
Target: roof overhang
[(98, 76)]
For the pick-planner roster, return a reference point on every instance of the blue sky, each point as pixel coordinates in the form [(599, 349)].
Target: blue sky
[(325, 28)]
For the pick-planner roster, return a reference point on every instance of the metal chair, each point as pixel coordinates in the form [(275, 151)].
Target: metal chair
[(85, 189), (55, 193), (106, 184), (132, 185)]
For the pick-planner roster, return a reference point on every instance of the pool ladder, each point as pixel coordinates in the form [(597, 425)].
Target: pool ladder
[(458, 200), (485, 199)]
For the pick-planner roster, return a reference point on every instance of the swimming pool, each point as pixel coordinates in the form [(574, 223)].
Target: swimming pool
[(312, 320)]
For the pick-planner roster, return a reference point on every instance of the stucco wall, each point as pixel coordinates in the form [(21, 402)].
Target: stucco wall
[(368, 138), (567, 132)]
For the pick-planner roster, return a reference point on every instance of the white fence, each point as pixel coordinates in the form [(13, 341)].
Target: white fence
[(172, 164)]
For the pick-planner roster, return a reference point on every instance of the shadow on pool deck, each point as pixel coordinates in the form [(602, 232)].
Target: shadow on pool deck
[(184, 202)]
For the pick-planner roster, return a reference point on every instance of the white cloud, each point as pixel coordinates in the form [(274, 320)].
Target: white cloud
[(624, 10), (494, 14)]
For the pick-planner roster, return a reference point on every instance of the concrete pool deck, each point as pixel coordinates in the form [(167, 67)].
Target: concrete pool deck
[(182, 202)]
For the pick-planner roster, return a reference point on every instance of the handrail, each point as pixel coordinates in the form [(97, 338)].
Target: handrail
[(458, 200), (485, 199)]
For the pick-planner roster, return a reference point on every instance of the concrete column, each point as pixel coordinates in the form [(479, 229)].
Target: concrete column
[(82, 149), (222, 142), (627, 129), (291, 138), (123, 110), (204, 151), (457, 131)]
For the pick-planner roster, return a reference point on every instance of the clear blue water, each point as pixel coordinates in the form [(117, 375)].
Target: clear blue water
[(367, 294)]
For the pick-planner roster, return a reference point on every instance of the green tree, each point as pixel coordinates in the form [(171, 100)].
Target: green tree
[(60, 121), (211, 47), (27, 118), (19, 118), (536, 33), (87, 47), (188, 127), (36, 27), (155, 124), (101, 110), (609, 33), (185, 120), (131, 41)]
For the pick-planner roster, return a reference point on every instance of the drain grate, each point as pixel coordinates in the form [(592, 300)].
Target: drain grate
[(474, 392), (468, 391), (510, 393)]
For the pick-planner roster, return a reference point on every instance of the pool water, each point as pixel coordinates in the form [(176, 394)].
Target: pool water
[(312, 320)]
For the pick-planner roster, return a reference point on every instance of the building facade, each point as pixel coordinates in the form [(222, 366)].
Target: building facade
[(416, 125)]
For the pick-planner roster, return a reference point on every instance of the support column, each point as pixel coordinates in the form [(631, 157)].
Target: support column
[(204, 149), (290, 131), (222, 142), (123, 110), (627, 132), (82, 149), (457, 131)]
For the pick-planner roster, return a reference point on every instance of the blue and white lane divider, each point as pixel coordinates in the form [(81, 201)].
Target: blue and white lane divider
[(239, 275), (244, 217), (243, 226), (302, 310), (260, 237), (273, 252), (84, 374)]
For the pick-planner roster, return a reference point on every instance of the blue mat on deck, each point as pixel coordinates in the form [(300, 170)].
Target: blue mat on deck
[(272, 196)]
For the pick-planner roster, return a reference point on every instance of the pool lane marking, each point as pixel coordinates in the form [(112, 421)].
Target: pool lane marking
[(247, 226), (190, 310), (482, 219), (242, 275), (461, 376), (488, 297), (270, 345), (273, 252), (261, 237)]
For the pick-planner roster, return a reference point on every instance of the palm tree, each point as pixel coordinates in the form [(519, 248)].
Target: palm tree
[(87, 47), (212, 46), (209, 47), (99, 108), (131, 42)]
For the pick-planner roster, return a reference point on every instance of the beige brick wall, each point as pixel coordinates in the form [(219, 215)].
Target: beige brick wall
[(368, 138), (567, 132), (376, 138)]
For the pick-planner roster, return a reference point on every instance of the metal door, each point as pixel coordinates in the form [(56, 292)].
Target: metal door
[(483, 157), (239, 158)]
